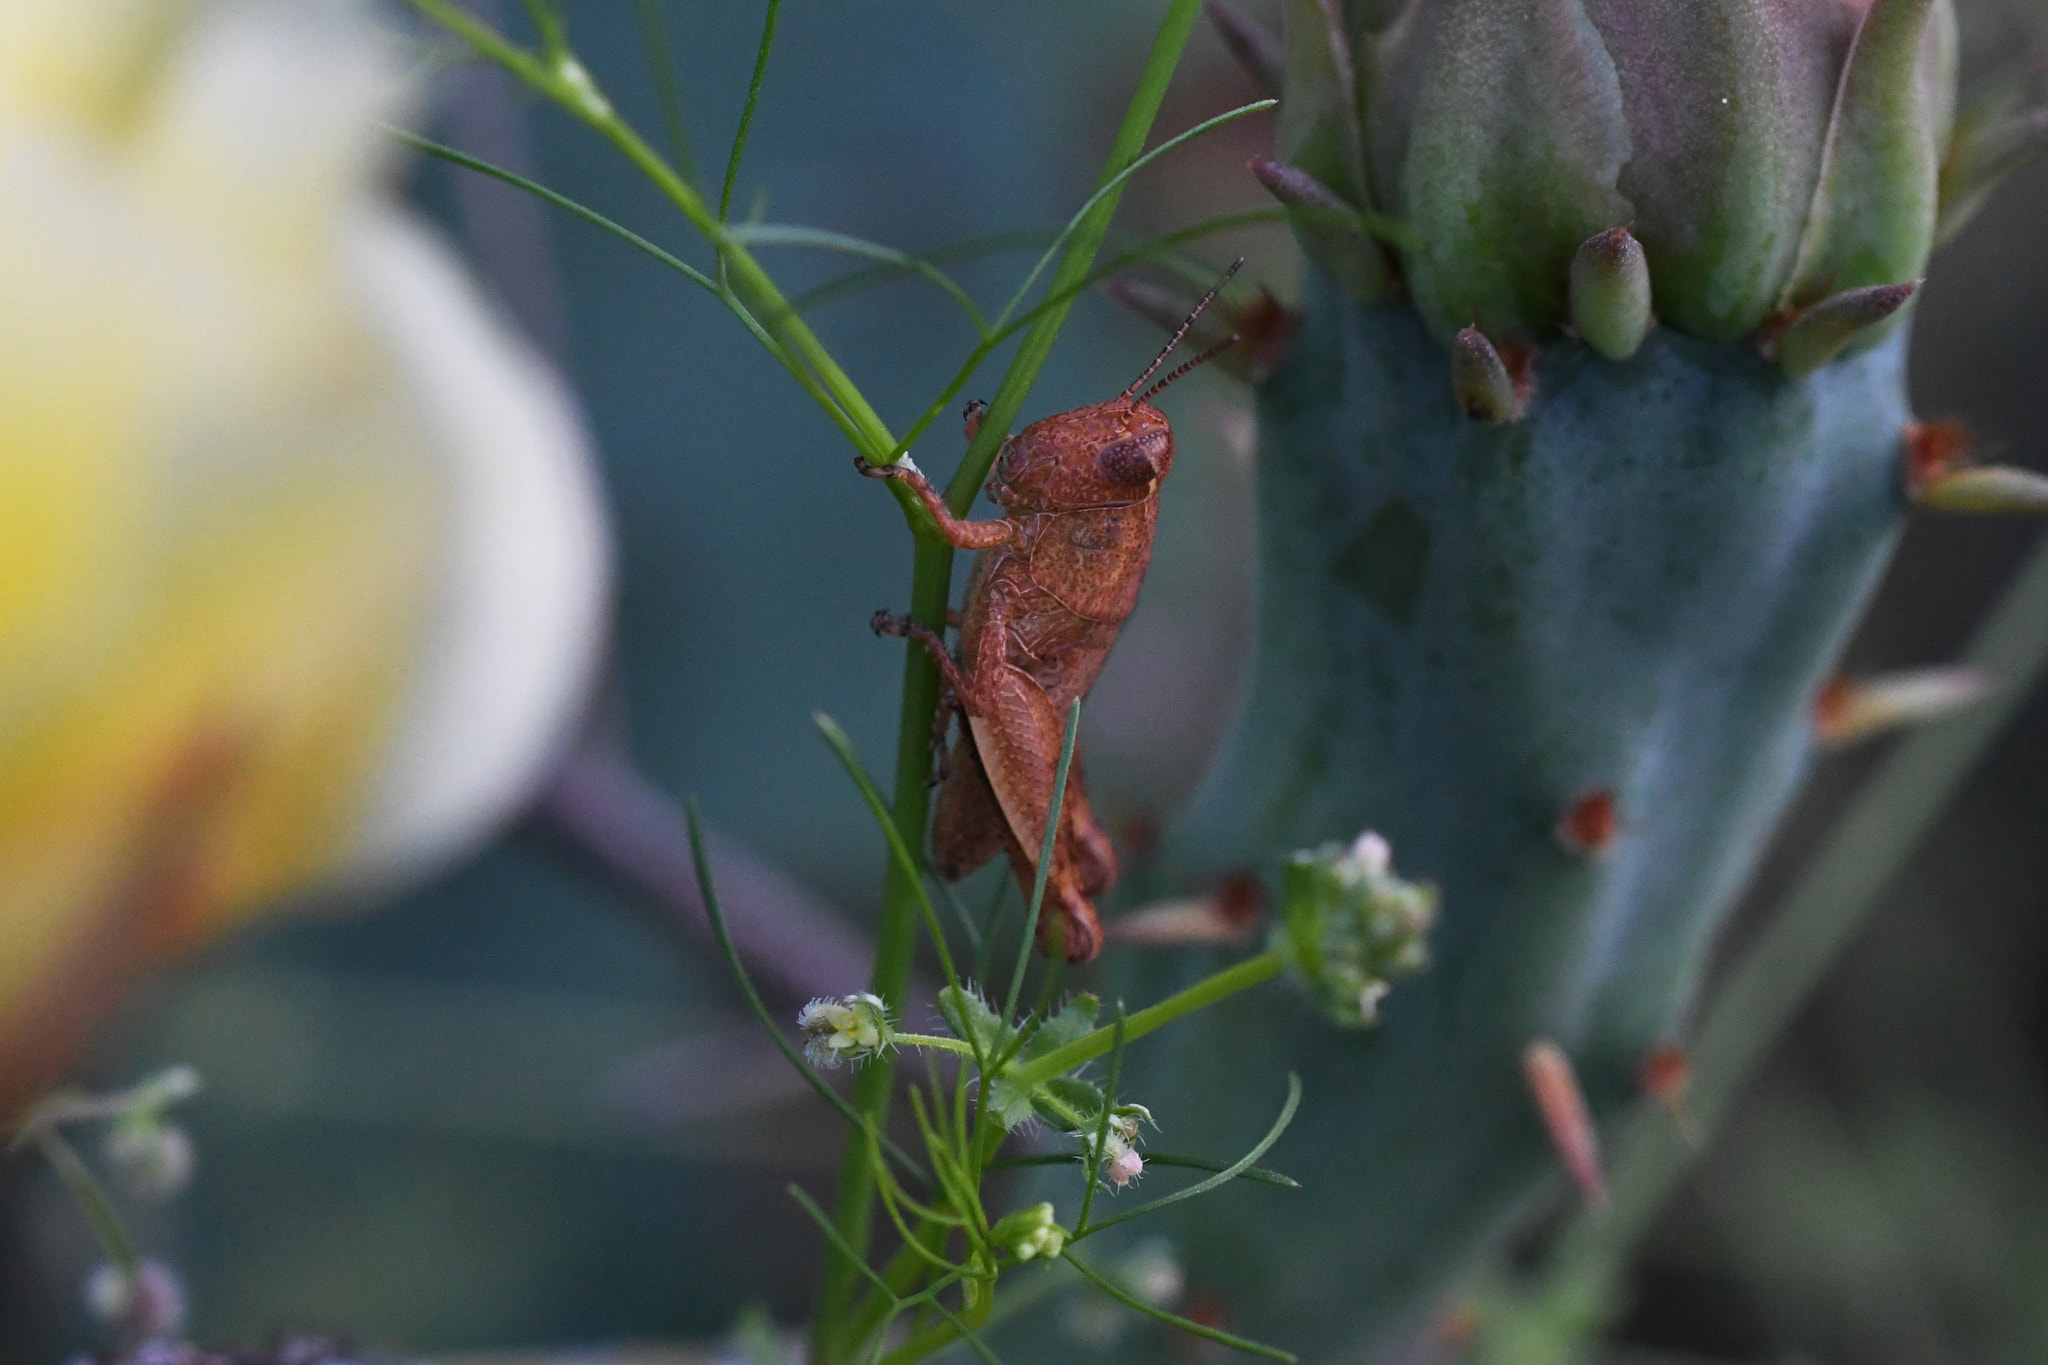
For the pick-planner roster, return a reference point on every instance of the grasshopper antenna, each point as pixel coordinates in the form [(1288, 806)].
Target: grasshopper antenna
[(1174, 341)]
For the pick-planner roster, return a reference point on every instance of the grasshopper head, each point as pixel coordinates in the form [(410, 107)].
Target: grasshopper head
[(1098, 456)]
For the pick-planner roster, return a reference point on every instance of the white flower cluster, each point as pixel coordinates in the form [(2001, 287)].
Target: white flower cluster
[(1349, 925), (851, 1028)]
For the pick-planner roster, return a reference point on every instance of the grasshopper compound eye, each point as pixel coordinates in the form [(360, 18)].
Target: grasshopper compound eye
[(1133, 461)]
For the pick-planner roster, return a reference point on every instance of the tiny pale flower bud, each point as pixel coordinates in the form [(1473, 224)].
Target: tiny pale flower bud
[(148, 1304), (1030, 1234), (1124, 1164), (851, 1028), (153, 1160)]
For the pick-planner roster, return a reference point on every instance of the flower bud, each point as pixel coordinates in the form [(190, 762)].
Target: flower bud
[(1123, 1165), (1029, 1234), (150, 1303), (1349, 925), (1763, 153), (851, 1028), (152, 1159)]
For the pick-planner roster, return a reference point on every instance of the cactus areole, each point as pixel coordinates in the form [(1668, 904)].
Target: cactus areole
[(1549, 581)]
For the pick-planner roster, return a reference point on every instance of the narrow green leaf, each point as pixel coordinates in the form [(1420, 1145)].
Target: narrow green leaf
[(1045, 848), (716, 914), (739, 139), (1222, 1177), (1130, 1301)]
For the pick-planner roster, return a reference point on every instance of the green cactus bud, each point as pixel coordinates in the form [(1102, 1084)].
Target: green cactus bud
[(1764, 154), (1319, 120), (1480, 379), (1725, 150), (1332, 233), (1513, 146), (1820, 333), (1875, 207), (1610, 293)]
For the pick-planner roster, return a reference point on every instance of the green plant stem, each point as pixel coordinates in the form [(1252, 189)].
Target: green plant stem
[(1070, 733), (1117, 1292), (662, 65), (569, 86), (931, 1040), (739, 140), (91, 1197), (1864, 850), (896, 939), (931, 586), (1228, 982), (1008, 402)]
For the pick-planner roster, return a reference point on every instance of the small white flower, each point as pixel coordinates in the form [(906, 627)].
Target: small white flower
[(1372, 854), (154, 1160), (1124, 1164), (850, 1028), (151, 1303)]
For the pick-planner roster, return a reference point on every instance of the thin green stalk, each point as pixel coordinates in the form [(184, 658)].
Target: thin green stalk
[(739, 140), (1221, 1338), (1068, 736), (896, 935), (91, 1198), (1085, 1049), (1024, 239), (952, 900), (714, 912), (1116, 1075), (559, 200), (1835, 894), (935, 1042), (697, 277), (1258, 1175), (788, 234), (1216, 1181), (1114, 185), (929, 1295), (1008, 401), (931, 582), (902, 860), (662, 64), (570, 87)]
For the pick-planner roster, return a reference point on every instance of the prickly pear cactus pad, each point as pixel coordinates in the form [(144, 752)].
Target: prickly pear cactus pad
[(1587, 454)]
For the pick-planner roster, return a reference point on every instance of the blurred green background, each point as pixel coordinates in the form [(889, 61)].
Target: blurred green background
[(509, 1108)]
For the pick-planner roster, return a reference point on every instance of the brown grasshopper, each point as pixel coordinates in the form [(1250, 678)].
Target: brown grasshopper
[(1055, 577)]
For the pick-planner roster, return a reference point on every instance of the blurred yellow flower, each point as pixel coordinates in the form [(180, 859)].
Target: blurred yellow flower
[(301, 560)]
